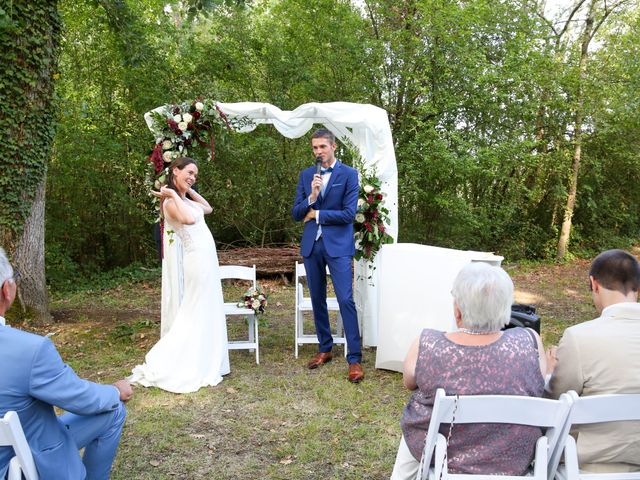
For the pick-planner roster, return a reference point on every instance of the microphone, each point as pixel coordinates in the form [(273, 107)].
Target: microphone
[(318, 165)]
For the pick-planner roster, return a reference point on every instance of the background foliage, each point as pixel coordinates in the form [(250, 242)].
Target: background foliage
[(480, 94)]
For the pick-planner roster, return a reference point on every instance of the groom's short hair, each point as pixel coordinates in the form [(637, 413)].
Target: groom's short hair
[(324, 133)]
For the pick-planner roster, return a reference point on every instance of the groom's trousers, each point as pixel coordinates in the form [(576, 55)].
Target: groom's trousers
[(342, 277)]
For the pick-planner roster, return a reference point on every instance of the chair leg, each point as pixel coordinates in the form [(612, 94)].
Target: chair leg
[(295, 340), (255, 319), (340, 332), (251, 324)]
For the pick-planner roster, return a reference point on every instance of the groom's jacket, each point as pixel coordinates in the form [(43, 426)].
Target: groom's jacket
[(337, 208), (34, 379)]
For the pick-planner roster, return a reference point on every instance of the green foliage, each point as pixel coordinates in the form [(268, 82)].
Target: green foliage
[(480, 97), (29, 39)]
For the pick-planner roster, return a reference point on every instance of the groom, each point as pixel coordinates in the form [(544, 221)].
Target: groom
[(326, 202)]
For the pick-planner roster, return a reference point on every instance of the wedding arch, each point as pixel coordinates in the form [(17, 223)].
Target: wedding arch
[(365, 127)]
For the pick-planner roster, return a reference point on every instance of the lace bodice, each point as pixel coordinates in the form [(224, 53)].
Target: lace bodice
[(189, 234)]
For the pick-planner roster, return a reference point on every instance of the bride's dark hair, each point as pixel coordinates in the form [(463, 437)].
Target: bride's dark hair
[(178, 163)]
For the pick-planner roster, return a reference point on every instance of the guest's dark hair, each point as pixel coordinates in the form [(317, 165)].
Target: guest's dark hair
[(616, 270), (324, 133), (178, 163)]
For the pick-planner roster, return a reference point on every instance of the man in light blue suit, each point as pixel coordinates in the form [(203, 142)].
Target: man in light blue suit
[(34, 379), (327, 202)]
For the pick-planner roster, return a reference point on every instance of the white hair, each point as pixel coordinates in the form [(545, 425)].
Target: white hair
[(484, 295), (6, 272)]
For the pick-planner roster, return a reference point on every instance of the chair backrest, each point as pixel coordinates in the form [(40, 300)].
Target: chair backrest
[(520, 410), (238, 272), (595, 409), (604, 408), (11, 434)]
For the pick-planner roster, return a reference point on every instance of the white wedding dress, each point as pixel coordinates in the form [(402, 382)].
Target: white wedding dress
[(192, 351)]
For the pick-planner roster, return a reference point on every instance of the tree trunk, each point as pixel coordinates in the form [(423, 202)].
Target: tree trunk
[(565, 232), (28, 259)]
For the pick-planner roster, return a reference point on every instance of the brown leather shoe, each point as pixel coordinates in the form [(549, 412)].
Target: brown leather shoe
[(356, 374), (319, 358)]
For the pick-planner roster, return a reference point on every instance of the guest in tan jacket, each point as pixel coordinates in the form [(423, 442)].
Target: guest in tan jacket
[(602, 356)]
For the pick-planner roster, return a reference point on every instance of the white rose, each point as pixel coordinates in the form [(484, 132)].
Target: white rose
[(183, 126), (199, 106), (166, 156), (187, 118), (167, 144), (177, 118), (368, 189), (360, 218), (361, 202), (255, 304)]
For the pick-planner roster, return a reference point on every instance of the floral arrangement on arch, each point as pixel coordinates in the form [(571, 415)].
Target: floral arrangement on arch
[(255, 299), (181, 127), (372, 218)]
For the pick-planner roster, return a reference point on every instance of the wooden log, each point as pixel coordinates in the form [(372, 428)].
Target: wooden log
[(268, 261)]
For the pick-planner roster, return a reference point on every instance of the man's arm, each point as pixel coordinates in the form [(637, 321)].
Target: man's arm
[(409, 366), (567, 374), (349, 204), (301, 203), (55, 383)]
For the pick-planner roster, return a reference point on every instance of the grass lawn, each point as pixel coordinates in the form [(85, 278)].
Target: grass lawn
[(274, 420)]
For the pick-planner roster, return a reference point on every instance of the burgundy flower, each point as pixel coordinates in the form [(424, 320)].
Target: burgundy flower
[(379, 196), (190, 126), (178, 131), (156, 158), (187, 142), (173, 125), (176, 110), (381, 228), (368, 226), (196, 114), (370, 198)]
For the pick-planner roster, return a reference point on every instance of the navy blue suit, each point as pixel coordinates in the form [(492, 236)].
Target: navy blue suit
[(34, 379), (335, 248)]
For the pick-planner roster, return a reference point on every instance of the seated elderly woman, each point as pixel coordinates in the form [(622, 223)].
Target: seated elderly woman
[(477, 359)]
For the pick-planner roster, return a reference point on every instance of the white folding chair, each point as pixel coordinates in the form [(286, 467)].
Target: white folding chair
[(303, 304), (11, 434), (595, 409), (237, 272), (539, 412)]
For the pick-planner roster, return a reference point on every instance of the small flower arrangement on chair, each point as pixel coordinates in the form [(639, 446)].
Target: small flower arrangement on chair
[(255, 299)]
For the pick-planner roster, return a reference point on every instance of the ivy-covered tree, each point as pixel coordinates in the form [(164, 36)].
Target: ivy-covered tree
[(29, 39)]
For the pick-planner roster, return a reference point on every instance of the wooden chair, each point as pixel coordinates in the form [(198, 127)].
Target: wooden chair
[(11, 435), (595, 409), (237, 272), (303, 304), (520, 410)]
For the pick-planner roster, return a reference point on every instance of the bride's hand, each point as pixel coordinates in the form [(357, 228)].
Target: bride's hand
[(164, 193)]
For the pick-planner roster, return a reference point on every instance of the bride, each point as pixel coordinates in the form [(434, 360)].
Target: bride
[(192, 351)]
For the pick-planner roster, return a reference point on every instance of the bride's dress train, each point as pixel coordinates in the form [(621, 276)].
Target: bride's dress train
[(192, 352)]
